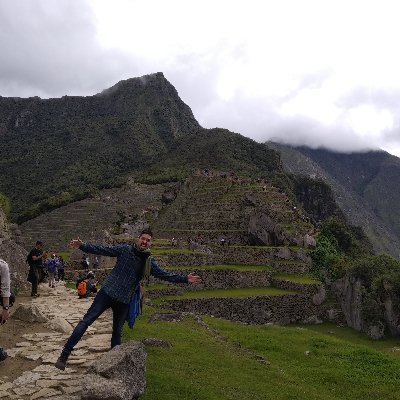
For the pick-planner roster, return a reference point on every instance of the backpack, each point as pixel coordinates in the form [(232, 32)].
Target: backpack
[(81, 286), (29, 259)]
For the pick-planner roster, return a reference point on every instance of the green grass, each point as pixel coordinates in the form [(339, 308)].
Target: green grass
[(65, 254), (70, 285), (160, 286), (298, 278), (307, 363), (239, 292)]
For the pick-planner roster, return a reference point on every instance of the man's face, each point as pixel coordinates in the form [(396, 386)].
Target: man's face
[(144, 241)]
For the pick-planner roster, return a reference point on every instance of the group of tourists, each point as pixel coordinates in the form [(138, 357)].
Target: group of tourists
[(42, 266), (85, 262)]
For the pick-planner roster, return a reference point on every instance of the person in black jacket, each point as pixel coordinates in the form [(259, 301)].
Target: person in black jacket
[(35, 259)]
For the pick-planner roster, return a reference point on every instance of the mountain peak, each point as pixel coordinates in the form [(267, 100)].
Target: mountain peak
[(156, 80)]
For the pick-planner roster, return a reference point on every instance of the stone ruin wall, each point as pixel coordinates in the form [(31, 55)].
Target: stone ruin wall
[(284, 309)]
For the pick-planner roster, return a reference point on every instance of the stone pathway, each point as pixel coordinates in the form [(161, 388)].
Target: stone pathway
[(45, 381)]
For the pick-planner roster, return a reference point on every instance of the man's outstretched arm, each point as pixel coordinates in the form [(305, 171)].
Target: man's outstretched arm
[(160, 273), (112, 251)]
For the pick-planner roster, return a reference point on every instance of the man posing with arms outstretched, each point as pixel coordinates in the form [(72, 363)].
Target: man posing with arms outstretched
[(119, 286)]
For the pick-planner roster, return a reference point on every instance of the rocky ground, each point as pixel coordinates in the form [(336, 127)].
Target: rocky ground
[(33, 347)]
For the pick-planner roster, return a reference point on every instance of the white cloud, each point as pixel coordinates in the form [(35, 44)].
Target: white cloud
[(312, 72)]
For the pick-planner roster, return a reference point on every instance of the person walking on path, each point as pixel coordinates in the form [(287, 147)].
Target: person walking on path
[(133, 263), (5, 294), (35, 259)]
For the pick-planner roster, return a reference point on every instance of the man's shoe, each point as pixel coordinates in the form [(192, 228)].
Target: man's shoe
[(3, 354), (62, 361), (35, 295)]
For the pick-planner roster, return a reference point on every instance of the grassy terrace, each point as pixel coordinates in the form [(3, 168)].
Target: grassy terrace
[(236, 292), (321, 362), (224, 267), (160, 286), (303, 278)]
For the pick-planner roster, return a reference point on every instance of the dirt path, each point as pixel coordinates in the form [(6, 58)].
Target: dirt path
[(29, 372)]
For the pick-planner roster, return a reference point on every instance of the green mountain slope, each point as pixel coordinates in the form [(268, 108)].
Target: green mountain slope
[(65, 147), (217, 149), (365, 186)]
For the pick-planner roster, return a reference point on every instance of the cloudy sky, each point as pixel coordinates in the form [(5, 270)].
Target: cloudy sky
[(316, 72)]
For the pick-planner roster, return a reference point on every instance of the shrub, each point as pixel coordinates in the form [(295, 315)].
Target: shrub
[(5, 204)]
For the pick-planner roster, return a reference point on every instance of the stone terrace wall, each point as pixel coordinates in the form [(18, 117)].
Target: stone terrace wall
[(258, 256), (236, 255), (306, 288), (212, 279), (284, 309), (222, 279)]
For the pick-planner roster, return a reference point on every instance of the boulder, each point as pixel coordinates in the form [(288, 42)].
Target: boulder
[(59, 324), (118, 375), (376, 331), (264, 231), (170, 317), (156, 342), (29, 313), (320, 296), (309, 241), (312, 320)]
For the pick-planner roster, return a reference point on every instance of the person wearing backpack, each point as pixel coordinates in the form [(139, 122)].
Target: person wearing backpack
[(35, 259), (86, 287), (133, 263)]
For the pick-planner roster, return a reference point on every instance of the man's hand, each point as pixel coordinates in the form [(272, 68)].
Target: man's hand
[(75, 243), (192, 278)]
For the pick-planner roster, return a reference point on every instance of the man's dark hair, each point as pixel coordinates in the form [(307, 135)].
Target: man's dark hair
[(146, 231)]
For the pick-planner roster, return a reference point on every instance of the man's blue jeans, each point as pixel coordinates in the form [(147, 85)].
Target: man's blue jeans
[(101, 302)]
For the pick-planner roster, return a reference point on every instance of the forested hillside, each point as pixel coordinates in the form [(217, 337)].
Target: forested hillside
[(57, 150)]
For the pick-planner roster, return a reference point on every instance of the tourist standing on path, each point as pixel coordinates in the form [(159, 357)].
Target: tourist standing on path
[(5, 294), (35, 259), (133, 263), (52, 270)]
